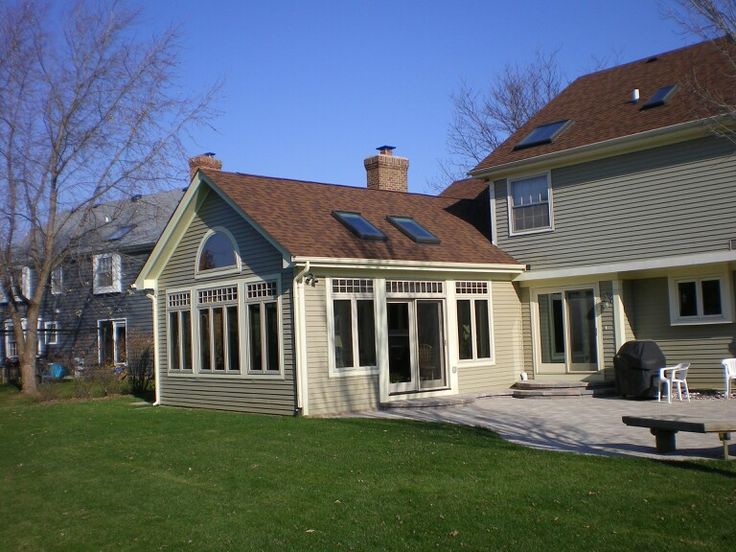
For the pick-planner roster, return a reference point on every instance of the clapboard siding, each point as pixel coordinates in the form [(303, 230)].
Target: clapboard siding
[(608, 331), (259, 258), (329, 395), (703, 346), (507, 336), (671, 200)]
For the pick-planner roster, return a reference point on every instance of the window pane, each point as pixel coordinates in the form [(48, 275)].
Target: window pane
[(204, 339), (464, 329), (217, 252), (186, 339), (174, 340), (120, 342), (688, 299), (254, 322), (366, 334), (104, 272), (232, 338), (482, 331), (712, 297), (107, 344), (219, 338), (343, 333), (272, 336), (551, 327)]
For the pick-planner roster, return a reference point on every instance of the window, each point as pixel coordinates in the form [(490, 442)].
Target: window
[(218, 253), (700, 300), (106, 270), (112, 342), (543, 134), (180, 331), (11, 346), (353, 324), (57, 281), (26, 281), (219, 347), (413, 229), (262, 324), (530, 205), (359, 225), (473, 321), (51, 333), (660, 96)]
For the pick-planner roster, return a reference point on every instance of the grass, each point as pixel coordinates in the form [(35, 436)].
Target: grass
[(110, 474)]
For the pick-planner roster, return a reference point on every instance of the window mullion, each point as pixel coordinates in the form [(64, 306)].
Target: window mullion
[(699, 298)]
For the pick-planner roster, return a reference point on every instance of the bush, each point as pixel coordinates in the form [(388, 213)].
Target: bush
[(139, 372)]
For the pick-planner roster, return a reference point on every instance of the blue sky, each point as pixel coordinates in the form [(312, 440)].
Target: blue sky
[(312, 87)]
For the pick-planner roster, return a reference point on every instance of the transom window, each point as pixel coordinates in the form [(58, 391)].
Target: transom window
[(106, 272), (414, 287), (218, 252), (180, 331), (219, 345), (262, 323), (530, 208), (473, 321), (353, 325), (700, 300)]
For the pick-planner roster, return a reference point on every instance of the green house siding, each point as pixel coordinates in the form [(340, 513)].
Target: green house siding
[(259, 259), (671, 200)]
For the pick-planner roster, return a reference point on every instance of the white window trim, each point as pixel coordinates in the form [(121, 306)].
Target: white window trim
[(116, 286), (245, 323), (54, 291), (509, 205), (726, 316), (48, 325), (26, 280), (348, 371), (233, 269), (472, 297), (115, 356)]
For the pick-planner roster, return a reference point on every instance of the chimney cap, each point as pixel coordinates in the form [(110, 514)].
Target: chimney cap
[(209, 153), (386, 149)]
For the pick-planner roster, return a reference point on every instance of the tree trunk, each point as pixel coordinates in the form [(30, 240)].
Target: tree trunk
[(28, 375)]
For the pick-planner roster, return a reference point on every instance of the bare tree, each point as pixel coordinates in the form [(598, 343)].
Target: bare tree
[(89, 113), (713, 19), (484, 119)]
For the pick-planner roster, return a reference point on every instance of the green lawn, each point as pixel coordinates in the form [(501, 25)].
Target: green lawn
[(108, 475)]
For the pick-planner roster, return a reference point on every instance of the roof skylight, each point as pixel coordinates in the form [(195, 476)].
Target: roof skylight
[(543, 134), (359, 225), (121, 232), (413, 229), (660, 96)]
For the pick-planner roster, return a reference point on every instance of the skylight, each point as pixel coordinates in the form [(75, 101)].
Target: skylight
[(660, 96), (121, 232), (413, 229), (543, 134), (358, 225)]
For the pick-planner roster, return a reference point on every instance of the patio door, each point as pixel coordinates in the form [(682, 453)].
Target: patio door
[(416, 346), (567, 331)]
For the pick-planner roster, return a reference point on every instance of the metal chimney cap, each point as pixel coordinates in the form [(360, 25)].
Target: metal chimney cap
[(386, 149)]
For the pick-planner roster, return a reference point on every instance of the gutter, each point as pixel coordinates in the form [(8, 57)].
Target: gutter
[(428, 266), (156, 363), (300, 349)]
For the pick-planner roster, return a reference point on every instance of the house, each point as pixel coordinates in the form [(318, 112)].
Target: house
[(606, 218), (283, 296), (619, 197), (89, 309)]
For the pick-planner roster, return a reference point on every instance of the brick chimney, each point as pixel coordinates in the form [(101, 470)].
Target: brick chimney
[(387, 172), (204, 161)]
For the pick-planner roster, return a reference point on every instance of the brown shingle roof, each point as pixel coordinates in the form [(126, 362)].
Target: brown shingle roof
[(467, 188), (298, 215), (599, 103)]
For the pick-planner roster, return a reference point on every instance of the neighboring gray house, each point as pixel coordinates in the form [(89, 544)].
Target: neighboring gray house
[(90, 310)]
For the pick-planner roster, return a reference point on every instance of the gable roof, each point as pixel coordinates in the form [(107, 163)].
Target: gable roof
[(600, 108), (467, 188), (298, 216)]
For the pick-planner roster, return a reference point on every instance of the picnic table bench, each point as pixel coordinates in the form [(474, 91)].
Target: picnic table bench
[(665, 427)]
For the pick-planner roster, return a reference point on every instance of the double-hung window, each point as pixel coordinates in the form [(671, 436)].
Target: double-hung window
[(530, 204), (51, 332), (353, 325), (57, 281), (262, 313), (180, 330), (106, 273), (700, 300), (473, 321), (219, 346)]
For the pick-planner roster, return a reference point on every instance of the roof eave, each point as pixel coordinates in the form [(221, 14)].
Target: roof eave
[(623, 144), (426, 266)]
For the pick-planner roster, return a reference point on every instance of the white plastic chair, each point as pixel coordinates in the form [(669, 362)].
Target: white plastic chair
[(670, 376), (729, 373)]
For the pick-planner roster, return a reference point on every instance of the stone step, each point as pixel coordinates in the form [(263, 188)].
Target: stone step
[(562, 392)]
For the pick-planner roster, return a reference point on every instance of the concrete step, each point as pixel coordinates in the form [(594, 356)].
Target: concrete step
[(561, 389)]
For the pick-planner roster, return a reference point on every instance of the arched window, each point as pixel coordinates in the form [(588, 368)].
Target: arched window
[(218, 252)]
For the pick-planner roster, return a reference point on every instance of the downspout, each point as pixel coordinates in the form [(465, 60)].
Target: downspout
[(154, 305), (299, 332)]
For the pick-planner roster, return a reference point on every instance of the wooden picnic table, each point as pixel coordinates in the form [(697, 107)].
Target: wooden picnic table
[(665, 427)]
